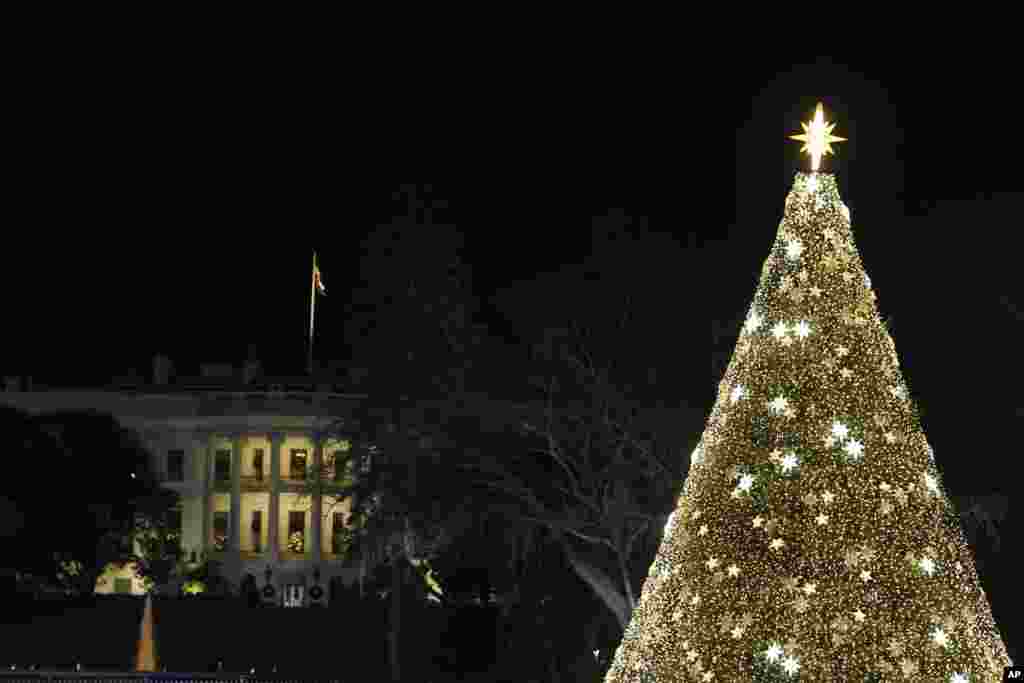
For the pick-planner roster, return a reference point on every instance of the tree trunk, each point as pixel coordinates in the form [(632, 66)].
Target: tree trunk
[(603, 586), (395, 621), (627, 581)]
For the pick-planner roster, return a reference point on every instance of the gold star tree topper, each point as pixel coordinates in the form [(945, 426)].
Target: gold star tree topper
[(817, 137)]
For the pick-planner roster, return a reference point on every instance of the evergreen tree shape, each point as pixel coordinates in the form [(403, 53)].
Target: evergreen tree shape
[(813, 539)]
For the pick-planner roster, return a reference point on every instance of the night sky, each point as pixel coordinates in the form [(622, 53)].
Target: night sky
[(179, 217)]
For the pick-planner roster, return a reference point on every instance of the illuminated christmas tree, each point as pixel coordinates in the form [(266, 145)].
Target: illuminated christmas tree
[(813, 540)]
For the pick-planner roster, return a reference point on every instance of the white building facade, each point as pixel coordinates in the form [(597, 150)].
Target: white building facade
[(243, 461)]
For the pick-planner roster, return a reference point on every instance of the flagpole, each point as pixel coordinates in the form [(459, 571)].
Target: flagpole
[(312, 309)]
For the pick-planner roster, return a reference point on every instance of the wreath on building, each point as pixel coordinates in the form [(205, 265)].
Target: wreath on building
[(316, 592), (268, 592)]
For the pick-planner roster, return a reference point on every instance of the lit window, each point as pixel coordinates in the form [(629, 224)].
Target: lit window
[(298, 465)]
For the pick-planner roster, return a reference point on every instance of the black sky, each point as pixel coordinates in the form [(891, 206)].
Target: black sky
[(163, 214)]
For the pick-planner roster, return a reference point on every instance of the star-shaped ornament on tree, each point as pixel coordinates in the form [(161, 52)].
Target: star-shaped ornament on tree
[(830, 262), (817, 137)]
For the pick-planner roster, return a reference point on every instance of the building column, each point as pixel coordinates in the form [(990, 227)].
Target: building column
[(235, 525), (274, 513), (317, 509), (206, 456)]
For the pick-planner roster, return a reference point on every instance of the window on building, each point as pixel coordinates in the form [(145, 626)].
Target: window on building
[(338, 538), (359, 462), (220, 530), (176, 466), (366, 459), (257, 464), (341, 468), (298, 465), (222, 466), (257, 531), (297, 531), (174, 523)]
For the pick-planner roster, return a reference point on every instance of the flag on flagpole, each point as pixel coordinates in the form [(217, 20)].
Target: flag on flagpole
[(317, 281)]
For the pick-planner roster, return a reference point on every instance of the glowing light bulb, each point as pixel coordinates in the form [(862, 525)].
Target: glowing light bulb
[(854, 448), (753, 322), (794, 248), (839, 430), (791, 665)]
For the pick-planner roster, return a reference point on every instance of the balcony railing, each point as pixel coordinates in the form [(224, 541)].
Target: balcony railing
[(254, 482)]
